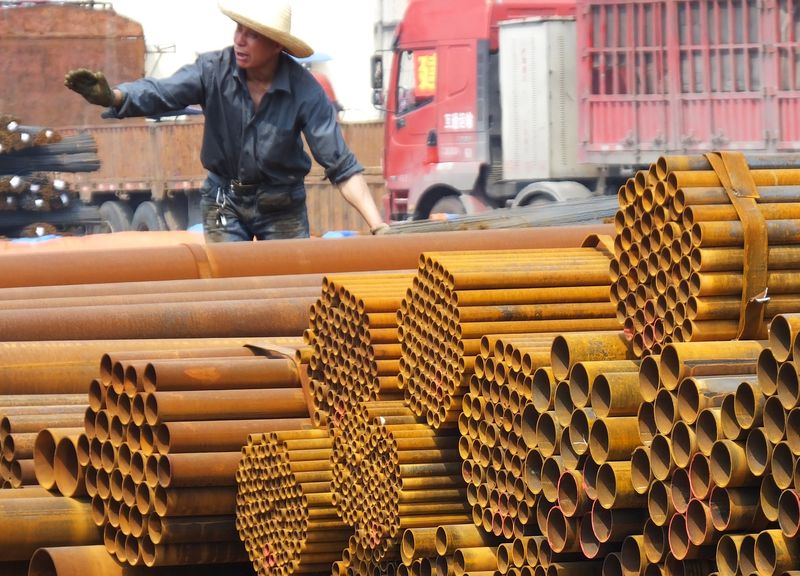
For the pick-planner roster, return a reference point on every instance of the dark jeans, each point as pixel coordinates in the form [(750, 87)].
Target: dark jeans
[(232, 217)]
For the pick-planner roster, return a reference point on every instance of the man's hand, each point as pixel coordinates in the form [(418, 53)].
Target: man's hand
[(93, 86), (380, 229)]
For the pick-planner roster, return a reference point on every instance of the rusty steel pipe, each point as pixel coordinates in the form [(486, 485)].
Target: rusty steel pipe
[(232, 318), (679, 360), (212, 529), (44, 455), (572, 500), (219, 374), (198, 470), (736, 509), (776, 422), (583, 375), (582, 347), (230, 404), (562, 531), (590, 547), (69, 474), (769, 497), (662, 463), (613, 438), (217, 435), (191, 554), (31, 523), (613, 525), (695, 394), (168, 502), (758, 451), (615, 489), (730, 424), (774, 553), (683, 444), (699, 526), (660, 505), (616, 394), (782, 465)]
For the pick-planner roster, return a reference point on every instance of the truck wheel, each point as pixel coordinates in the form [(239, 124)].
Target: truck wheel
[(117, 215), (148, 218), (448, 205)]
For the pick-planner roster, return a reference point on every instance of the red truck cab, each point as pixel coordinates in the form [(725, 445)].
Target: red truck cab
[(442, 104)]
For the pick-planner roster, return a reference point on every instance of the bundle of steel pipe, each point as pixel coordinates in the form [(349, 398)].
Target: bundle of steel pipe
[(392, 472), (458, 297), (680, 252), (164, 433), (356, 348), (284, 505)]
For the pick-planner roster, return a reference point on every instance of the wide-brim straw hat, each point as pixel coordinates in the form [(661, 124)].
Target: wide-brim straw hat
[(270, 18)]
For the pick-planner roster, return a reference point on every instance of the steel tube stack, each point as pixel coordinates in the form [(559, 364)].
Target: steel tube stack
[(161, 464), (356, 349), (284, 506), (680, 251), (458, 297)]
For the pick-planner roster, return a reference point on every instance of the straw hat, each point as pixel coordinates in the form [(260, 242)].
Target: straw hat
[(270, 18)]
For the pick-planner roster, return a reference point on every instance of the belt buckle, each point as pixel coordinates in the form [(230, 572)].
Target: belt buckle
[(241, 188)]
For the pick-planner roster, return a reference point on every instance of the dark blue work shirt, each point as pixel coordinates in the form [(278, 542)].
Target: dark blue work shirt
[(261, 147)]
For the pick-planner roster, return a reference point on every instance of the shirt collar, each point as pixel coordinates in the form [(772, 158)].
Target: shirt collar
[(280, 82)]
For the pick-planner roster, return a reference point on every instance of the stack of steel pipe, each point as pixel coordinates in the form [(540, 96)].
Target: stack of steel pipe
[(164, 438), (356, 348), (392, 472), (516, 417), (55, 460), (21, 418), (284, 505), (680, 250), (459, 297)]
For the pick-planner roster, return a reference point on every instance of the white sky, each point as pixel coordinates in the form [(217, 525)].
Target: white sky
[(341, 29)]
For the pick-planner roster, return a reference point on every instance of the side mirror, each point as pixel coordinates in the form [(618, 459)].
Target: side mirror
[(376, 67), (378, 99)]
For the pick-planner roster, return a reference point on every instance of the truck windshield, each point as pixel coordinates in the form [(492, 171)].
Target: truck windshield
[(416, 79)]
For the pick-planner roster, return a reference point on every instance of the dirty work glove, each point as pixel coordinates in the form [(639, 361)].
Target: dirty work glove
[(93, 86), (380, 229)]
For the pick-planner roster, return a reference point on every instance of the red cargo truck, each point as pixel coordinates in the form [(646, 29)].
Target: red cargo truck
[(510, 102)]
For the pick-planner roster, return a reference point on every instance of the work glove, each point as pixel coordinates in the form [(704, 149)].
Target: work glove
[(93, 86), (380, 229)]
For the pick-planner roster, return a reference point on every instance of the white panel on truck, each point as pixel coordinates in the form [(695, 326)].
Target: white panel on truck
[(538, 89)]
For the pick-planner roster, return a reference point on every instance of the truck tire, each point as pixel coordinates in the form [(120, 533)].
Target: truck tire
[(148, 218), (117, 215), (551, 191), (448, 205)]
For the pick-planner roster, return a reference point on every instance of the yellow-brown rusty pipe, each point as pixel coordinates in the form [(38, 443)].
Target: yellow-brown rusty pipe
[(194, 501), (708, 429), (69, 474), (499, 297), (615, 488), (450, 538), (508, 312), (581, 347), (683, 444), (726, 212), (572, 499), (731, 234), (31, 523), (583, 375), (191, 554), (727, 554), (700, 482), (286, 257), (417, 542), (736, 510), (758, 452), (613, 525), (198, 470), (730, 259), (728, 465), (730, 283), (44, 453), (613, 438), (660, 505), (207, 405), (217, 435), (219, 374), (211, 529), (769, 498), (590, 547), (775, 553), (694, 394), (782, 464), (232, 318), (699, 526), (678, 360), (468, 560), (655, 542)]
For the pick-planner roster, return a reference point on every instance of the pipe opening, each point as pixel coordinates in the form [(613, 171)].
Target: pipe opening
[(658, 503), (680, 490)]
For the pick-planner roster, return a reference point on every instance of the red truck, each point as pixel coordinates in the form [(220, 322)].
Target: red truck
[(494, 103)]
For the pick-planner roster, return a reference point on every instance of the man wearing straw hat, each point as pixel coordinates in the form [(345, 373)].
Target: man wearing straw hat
[(257, 103)]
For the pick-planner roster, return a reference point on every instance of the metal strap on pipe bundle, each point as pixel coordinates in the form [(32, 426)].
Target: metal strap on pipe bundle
[(286, 518), (459, 297), (705, 249), (356, 348), (163, 484)]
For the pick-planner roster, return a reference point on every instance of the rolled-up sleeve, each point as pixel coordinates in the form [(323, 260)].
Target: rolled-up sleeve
[(325, 139), (151, 96)]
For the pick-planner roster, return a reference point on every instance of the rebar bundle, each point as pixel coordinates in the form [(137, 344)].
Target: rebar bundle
[(700, 247), (284, 511), (458, 297), (36, 193), (356, 349)]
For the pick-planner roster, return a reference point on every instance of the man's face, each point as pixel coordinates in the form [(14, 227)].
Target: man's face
[(252, 49)]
